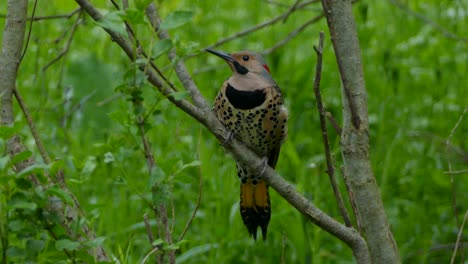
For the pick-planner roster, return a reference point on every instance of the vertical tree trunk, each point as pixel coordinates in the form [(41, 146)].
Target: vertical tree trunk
[(12, 46), (355, 134)]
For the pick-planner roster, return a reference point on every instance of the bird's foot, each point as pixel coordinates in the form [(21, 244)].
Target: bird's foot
[(231, 134), (262, 166)]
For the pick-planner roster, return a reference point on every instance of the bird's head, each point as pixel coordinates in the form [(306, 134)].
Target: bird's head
[(244, 62)]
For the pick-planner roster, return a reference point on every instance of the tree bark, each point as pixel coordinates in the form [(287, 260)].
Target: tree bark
[(10, 56), (10, 59), (355, 134)]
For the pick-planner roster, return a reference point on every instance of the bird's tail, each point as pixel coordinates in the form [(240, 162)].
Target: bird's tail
[(255, 206)]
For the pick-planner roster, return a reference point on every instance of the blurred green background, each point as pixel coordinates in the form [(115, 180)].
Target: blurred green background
[(417, 90)]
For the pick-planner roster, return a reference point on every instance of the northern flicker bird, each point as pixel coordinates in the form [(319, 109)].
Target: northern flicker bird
[(250, 105)]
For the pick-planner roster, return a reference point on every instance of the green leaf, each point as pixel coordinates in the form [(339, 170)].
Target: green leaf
[(113, 21), (66, 244), (37, 169), (23, 183), (142, 4), (4, 161), (15, 252), (23, 205), (176, 19), (158, 242), (7, 132), (195, 251), (35, 245), (161, 47), (60, 193), (55, 166), (95, 243), (16, 225), (195, 163), (22, 156), (134, 16)]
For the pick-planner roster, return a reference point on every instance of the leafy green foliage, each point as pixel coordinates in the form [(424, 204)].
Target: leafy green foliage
[(88, 107)]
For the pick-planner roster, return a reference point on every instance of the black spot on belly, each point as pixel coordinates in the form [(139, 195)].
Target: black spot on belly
[(244, 99)]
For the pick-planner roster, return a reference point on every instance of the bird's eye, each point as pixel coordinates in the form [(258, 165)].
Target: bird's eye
[(245, 58)]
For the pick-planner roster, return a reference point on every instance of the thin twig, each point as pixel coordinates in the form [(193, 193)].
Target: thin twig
[(456, 172), (459, 243), (77, 107), (67, 45), (179, 66), (148, 230), (200, 191), (39, 18), (140, 49), (334, 123), (32, 126), (352, 200), (428, 21), (292, 34), (149, 254), (29, 31), (291, 9), (259, 26), (452, 181), (323, 126)]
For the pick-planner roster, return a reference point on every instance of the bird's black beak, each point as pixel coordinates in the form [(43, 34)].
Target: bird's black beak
[(230, 60), (223, 55)]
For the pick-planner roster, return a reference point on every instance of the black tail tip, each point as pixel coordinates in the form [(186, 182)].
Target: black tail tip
[(252, 228)]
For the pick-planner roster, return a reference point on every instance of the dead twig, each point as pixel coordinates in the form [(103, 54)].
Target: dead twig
[(39, 18), (334, 123), (459, 243), (453, 184), (323, 126), (29, 32), (200, 189), (259, 26), (67, 45), (292, 34)]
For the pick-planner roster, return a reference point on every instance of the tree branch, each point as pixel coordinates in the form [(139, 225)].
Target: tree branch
[(261, 25), (204, 115), (294, 33), (10, 59), (355, 134), (323, 126)]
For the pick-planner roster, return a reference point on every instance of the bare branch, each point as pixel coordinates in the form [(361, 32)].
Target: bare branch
[(291, 9), (452, 180), (323, 126), (200, 191), (32, 126), (240, 151), (29, 32), (292, 34), (259, 26), (39, 18), (334, 123), (459, 243), (179, 65), (355, 134), (67, 45)]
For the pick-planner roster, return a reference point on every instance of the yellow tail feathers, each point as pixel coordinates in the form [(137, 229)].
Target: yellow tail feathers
[(255, 206)]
